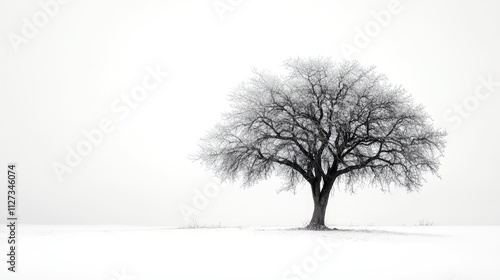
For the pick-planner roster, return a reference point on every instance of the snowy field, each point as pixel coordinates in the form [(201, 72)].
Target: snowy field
[(140, 253)]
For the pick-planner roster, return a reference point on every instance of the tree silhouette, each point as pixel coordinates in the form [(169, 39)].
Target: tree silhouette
[(323, 123)]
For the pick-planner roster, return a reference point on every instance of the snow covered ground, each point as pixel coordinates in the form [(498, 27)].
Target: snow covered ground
[(141, 253)]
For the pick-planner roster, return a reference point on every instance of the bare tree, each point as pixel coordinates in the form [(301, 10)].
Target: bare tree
[(323, 123)]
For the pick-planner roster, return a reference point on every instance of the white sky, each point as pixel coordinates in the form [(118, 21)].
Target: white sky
[(66, 77)]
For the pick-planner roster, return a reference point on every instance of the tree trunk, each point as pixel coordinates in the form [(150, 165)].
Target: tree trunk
[(318, 217), (320, 198)]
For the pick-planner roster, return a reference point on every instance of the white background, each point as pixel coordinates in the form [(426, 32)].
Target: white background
[(65, 78)]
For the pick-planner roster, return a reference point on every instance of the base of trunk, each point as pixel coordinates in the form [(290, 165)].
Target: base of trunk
[(318, 227)]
